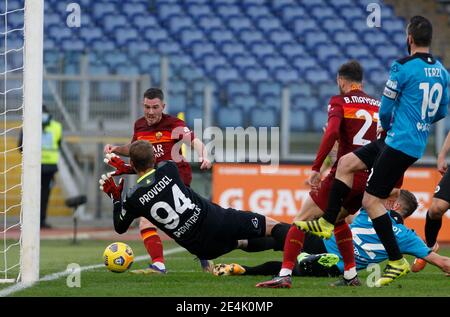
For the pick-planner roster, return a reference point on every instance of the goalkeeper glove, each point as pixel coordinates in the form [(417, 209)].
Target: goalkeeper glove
[(108, 185), (121, 167)]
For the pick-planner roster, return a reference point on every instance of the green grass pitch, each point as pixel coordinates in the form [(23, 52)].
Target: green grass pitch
[(186, 279)]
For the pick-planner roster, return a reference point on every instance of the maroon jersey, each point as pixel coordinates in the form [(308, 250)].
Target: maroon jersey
[(352, 121), (163, 136)]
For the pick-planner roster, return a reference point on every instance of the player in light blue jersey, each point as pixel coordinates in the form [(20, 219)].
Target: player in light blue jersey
[(416, 96), (368, 247)]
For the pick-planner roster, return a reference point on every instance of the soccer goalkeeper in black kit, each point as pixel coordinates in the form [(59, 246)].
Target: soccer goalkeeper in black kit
[(200, 226)]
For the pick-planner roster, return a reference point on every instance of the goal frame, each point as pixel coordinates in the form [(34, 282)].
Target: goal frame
[(32, 132)]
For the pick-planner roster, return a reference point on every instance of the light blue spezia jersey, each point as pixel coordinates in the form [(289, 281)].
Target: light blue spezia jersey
[(368, 247), (416, 96)]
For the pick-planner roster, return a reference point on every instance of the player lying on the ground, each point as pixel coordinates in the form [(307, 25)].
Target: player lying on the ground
[(200, 226), (322, 257)]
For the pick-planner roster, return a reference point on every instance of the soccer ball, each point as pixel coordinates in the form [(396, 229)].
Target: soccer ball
[(118, 257)]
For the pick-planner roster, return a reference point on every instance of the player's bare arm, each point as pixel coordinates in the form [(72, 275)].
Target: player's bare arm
[(440, 261), (200, 148), (117, 149)]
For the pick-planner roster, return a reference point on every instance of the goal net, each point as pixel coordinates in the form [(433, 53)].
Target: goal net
[(21, 23)]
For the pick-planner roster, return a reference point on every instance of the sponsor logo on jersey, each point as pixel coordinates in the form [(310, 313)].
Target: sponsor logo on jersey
[(255, 222)]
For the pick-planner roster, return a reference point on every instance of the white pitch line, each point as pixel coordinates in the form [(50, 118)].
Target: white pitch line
[(54, 276)]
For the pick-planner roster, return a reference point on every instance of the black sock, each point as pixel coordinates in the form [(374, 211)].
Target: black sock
[(279, 233), (268, 268), (432, 227), (260, 244), (383, 227), (339, 191)]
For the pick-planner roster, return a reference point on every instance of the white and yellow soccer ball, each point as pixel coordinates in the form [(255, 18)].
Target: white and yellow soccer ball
[(118, 257)]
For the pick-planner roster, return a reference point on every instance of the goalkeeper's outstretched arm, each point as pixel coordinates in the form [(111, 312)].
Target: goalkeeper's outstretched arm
[(122, 218)]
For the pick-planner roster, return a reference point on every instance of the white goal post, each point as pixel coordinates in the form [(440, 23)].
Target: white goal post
[(32, 130)]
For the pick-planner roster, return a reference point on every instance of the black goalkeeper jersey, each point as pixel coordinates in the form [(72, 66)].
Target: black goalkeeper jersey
[(162, 198)]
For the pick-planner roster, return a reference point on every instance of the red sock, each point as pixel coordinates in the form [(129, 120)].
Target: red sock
[(292, 247), (153, 244), (344, 241)]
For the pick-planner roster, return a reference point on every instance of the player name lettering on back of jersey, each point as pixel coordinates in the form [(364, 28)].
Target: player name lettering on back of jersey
[(155, 190), (360, 99), (432, 72), (158, 150), (188, 224)]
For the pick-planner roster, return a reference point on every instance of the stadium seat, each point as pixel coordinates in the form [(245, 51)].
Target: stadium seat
[(238, 87), (230, 117), (319, 119), (193, 113), (264, 117), (298, 120), (176, 103)]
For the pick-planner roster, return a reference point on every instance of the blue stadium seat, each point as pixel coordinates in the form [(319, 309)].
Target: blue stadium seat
[(326, 90), (146, 61), (237, 23), (357, 51), (243, 61), (227, 10), (319, 119), (90, 35), (286, 75), (208, 22), (378, 76), (255, 74), (244, 101), (125, 34), (225, 74), (193, 113), (290, 13), (345, 38), (103, 45), (302, 63), (167, 10), (168, 47), (132, 9), (268, 88), (257, 11), (250, 36), (268, 24), (127, 69), (231, 49), (300, 90), (230, 117), (155, 35), (101, 9), (196, 10), (73, 44), (314, 38), (219, 35), (308, 103), (138, 48), (281, 37), (274, 62), (238, 87), (321, 13), (262, 49), (334, 24), (264, 117), (302, 27), (115, 58), (176, 103), (352, 13), (179, 22), (190, 35), (201, 48), (212, 61), (298, 120), (143, 22), (114, 21), (393, 24), (99, 69), (325, 51), (292, 50)]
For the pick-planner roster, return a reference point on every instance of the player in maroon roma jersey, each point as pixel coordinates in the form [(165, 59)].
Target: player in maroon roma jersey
[(352, 122), (166, 134)]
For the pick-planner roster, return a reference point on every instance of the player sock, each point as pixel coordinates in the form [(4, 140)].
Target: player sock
[(292, 247), (279, 233), (339, 190), (432, 227), (383, 228), (344, 241), (259, 244), (153, 244), (268, 268)]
